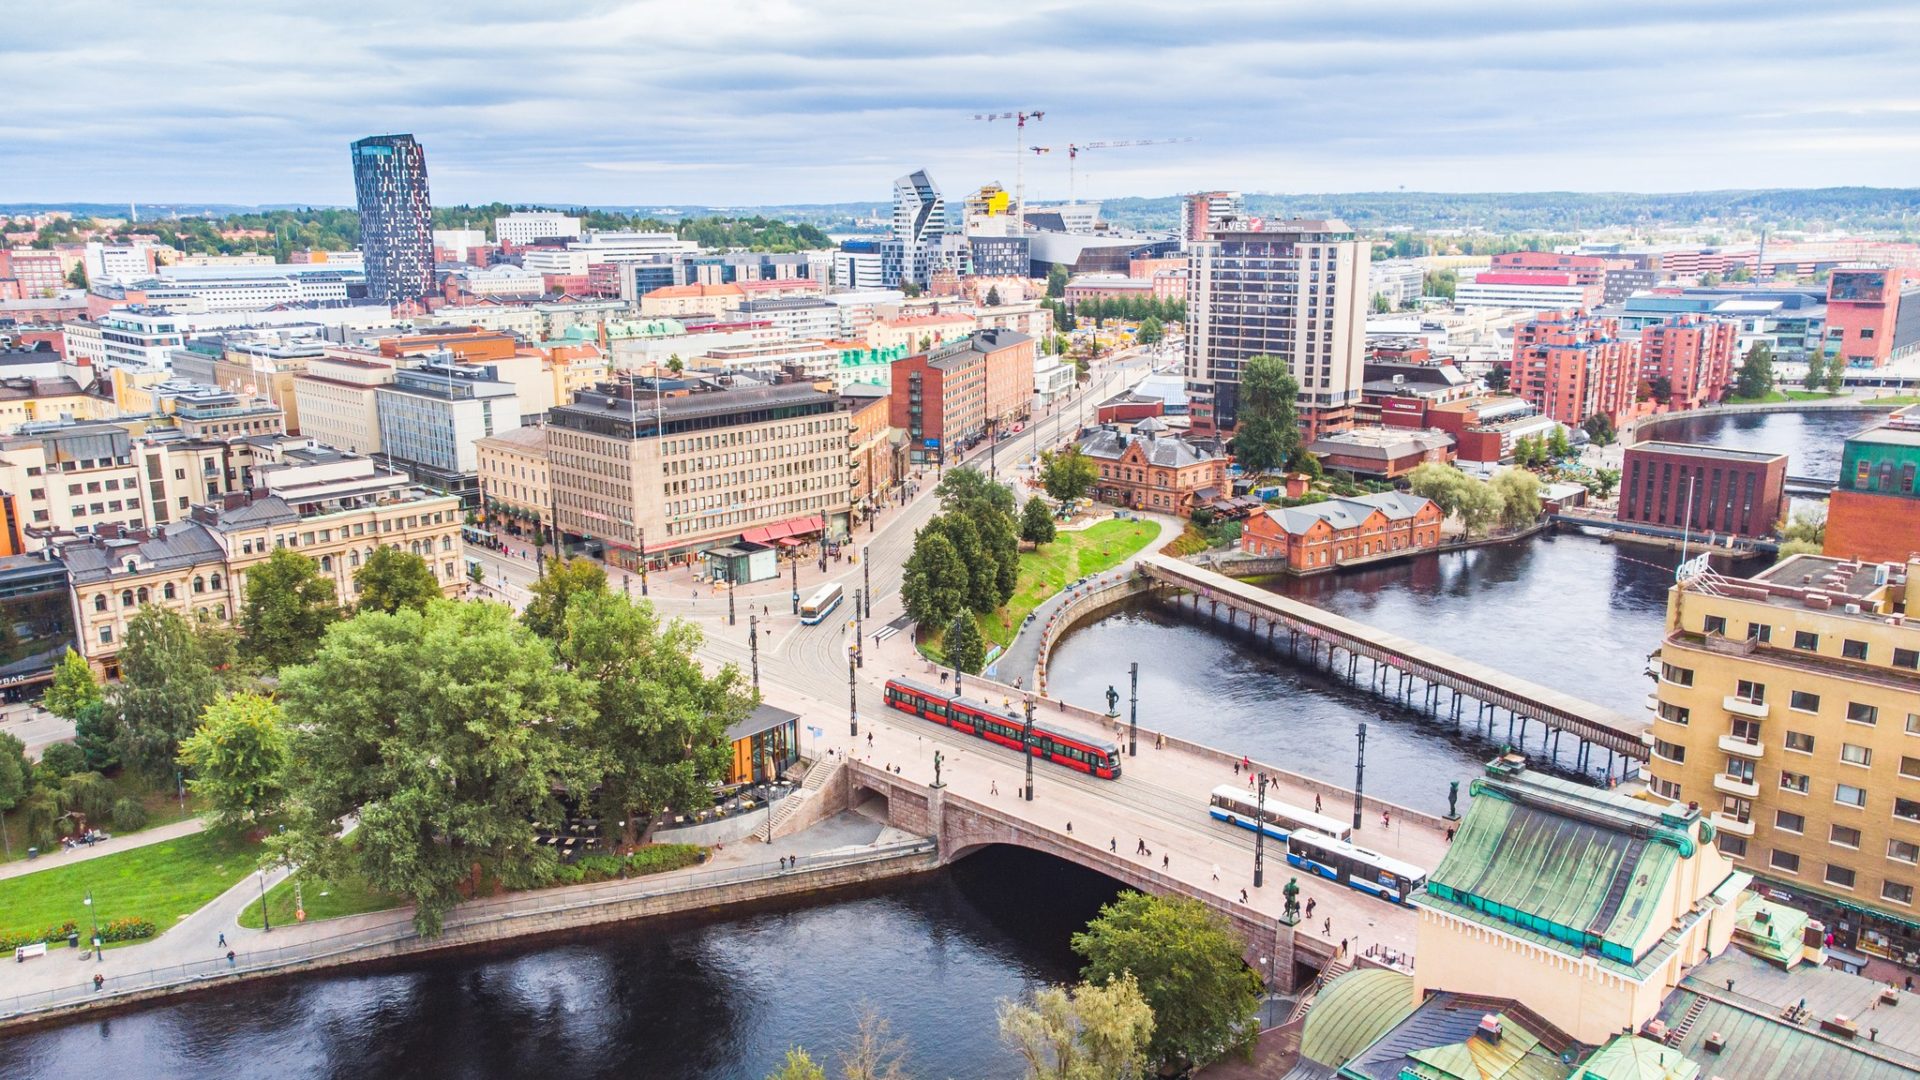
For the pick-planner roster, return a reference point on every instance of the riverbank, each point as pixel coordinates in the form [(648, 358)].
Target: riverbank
[(748, 873)]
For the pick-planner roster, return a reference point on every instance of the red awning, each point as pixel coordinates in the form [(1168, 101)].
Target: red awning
[(779, 532), (789, 542)]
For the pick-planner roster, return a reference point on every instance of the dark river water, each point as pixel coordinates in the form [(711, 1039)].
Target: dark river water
[(722, 998)]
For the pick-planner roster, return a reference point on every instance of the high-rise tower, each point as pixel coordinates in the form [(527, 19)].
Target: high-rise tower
[(396, 217)]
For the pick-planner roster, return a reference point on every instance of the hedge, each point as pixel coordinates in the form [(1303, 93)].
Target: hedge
[(652, 859), (110, 931)]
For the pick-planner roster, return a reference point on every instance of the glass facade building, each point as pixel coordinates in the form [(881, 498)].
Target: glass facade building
[(396, 217)]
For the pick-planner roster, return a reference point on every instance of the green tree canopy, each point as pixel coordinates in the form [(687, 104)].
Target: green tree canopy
[(1068, 474), (1188, 963), (1057, 281), (1755, 377), (934, 583), (547, 610), (1558, 444), (1268, 433), (238, 758), (1087, 1032), (16, 781), (966, 650), (1480, 506), (1151, 331), (1036, 522), (288, 607), (659, 723), (993, 296), (1816, 372), (392, 579), (973, 540), (445, 731), (798, 1066), (1808, 525), (170, 671), (1599, 428), (73, 689), (1519, 495), (967, 489), (96, 731), (1441, 483)]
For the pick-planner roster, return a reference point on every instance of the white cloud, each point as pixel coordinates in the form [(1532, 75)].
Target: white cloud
[(759, 101)]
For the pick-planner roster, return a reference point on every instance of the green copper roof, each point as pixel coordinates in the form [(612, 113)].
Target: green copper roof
[(1581, 868), (1352, 1011), (1630, 1057), (1768, 930)]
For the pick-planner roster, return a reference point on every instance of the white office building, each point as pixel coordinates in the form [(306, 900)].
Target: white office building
[(618, 247), (117, 262), (526, 226), (555, 261), (431, 415)]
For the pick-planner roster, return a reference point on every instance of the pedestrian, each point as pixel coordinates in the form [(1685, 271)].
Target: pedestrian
[(223, 940), (1166, 862), (869, 740), (99, 981), (1449, 834), (230, 958), (1249, 781), (1140, 847), (1316, 802), (1216, 871), (1246, 762), (1326, 926), (1343, 947), (1909, 984), (1069, 826), (1386, 819), (1243, 896), (1236, 768), (1310, 905), (1113, 845)]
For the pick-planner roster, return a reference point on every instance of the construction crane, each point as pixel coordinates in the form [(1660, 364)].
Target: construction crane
[(1019, 119), (1073, 156)]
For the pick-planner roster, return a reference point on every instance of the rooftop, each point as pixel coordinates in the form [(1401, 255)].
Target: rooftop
[(1761, 1043), (1710, 453), (1381, 442), (1110, 444), (1346, 513)]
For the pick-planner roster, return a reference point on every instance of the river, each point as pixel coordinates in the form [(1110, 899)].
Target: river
[(722, 997)]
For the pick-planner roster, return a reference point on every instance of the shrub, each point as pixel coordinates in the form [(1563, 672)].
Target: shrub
[(90, 794), (127, 930), (129, 814), (13, 939), (660, 858), (62, 759)]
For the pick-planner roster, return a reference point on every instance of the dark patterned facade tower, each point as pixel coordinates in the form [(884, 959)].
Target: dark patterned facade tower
[(396, 217)]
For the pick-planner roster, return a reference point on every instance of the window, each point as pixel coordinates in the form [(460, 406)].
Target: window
[(1784, 860), (214, 581), (1903, 851), (106, 635), (1910, 767), (1673, 752), (1793, 781), (1804, 701), (1799, 742), (1715, 624), (1786, 822), (1907, 809), (1862, 714), (1733, 847), (1666, 789), (1856, 755), (166, 591), (100, 602), (1760, 632), (1853, 650), (1678, 676), (126, 597), (1848, 795), (1674, 714), (1906, 658), (199, 584), (1839, 875), (1913, 723), (1746, 730), (1897, 892), (1806, 639), (1740, 769), (1844, 835), (1750, 690)]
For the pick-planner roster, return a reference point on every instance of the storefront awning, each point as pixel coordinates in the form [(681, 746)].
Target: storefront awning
[(767, 534)]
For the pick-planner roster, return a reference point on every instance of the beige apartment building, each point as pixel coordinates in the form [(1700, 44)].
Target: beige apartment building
[(514, 480), (334, 508), (338, 399), (1788, 706), (669, 476)]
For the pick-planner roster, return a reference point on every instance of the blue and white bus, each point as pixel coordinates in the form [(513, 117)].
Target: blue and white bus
[(1355, 867), (1278, 820), (821, 604)]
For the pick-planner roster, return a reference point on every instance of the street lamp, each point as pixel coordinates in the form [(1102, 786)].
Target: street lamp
[(730, 598), (853, 692), (753, 646), (1133, 710), (266, 920), (95, 915), (1260, 834), (1026, 743), (866, 577), (859, 631), (1359, 774), (796, 583)]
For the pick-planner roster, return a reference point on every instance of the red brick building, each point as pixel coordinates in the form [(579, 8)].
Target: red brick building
[(1383, 452), (1694, 355), (945, 398), (1572, 366), (1866, 326), (1324, 535), (1874, 515), (1151, 470), (1705, 489)]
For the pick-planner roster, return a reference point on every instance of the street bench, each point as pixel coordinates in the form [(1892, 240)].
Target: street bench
[(20, 954)]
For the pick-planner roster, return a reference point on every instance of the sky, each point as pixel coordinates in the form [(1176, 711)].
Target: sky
[(755, 102)]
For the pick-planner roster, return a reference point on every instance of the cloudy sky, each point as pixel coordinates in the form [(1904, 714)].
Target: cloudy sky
[(745, 102)]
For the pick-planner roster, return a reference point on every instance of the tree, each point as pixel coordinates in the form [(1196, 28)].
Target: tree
[(1441, 483), (547, 609), (1605, 480), (287, 608), (1836, 376), (1440, 283), (169, 674), (1057, 281), (798, 1066), (966, 650), (1498, 376), (1036, 522), (909, 289), (445, 730), (968, 490), (1068, 474), (675, 364), (1755, 378), (392, 579), (73, 689), (1808, 526), (1599, 428), (16, 781), (934, 583), (1660, 389), (1557, 443), (1790, 548), (658, 725), (1189, 967), (61, 760), (1151, 331), (1086, 1033), (1480, 506), (1519, 495), (96, 731), (1816, 372), (1268, 431), (238, 758), (1382, 303), (77, 277), (876, 1053), (993, 296)]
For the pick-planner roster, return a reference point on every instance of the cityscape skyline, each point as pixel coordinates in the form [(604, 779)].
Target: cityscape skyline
[(1322, 101)]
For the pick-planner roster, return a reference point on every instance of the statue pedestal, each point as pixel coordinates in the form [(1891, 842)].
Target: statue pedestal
[(1290, 920)]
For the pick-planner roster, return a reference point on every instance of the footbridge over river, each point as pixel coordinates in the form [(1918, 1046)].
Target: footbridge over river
[(1408, 670)]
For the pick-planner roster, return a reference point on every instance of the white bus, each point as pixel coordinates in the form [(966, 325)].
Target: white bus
[(1355, 867), (1236, 807), (820, 604)]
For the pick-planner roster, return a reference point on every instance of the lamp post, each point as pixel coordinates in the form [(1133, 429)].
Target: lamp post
[(866, 577), (993, 445), (643, 562), (853, 693), (95, 915), (1260, 834), (1133, 710), (1359, 774), (730, 598), (753, 646), (796, 583), (859, 631), (266, 920), (1026, 743)]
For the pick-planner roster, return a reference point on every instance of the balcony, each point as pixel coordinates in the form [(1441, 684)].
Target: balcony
[(1728, 823), (1747, 707), (1733, 785), (1746, 748)]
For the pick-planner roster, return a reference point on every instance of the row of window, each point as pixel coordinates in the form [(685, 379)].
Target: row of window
[(1838, 875), (1808, 641)]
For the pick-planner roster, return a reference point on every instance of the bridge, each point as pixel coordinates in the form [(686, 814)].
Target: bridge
[(1405, 669), (1812, 487), (1668, 535)]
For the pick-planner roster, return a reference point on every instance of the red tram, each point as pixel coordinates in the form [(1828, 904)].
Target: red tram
[(1101, 759)]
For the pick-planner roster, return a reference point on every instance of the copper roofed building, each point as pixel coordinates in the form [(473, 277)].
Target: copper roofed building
[(1149, 469)]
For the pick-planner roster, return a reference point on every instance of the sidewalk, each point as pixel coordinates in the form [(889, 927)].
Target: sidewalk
[(59, 856)]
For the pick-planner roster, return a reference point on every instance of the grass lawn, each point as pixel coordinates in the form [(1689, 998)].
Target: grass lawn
[(1071, 556), (163, 808), (1894, 399), (323, 899), (1767, 398), (1809, 395), (160, 882)]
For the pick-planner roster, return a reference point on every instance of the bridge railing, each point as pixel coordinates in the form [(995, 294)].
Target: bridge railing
[(1103, 590)]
